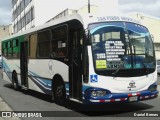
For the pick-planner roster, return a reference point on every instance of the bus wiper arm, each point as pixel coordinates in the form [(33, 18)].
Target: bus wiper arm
[(115, 72), (145, 67)]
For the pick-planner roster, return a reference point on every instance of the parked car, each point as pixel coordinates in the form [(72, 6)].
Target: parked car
[(0, 61), (158, 67)]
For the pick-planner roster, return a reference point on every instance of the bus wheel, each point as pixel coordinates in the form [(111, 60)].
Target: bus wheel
[(59, 94), (15, 81)]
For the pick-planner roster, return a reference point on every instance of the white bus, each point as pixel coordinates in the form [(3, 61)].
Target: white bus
[(88, 59)]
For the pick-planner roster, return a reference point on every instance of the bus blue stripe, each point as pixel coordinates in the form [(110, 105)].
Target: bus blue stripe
[(45, 82), (7, 70)]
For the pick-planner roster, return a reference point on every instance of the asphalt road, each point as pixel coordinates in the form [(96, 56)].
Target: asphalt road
[(34, 101)]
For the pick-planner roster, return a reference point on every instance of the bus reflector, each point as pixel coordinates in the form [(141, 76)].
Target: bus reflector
[(112, 100), (129, 95), (101, 100), (133, 94), (122, 99)]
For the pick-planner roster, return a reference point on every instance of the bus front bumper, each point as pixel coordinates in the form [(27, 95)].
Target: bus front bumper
[(121, 97)]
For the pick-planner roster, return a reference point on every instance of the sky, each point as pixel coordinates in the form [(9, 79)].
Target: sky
[(150, 7), (5, 12)]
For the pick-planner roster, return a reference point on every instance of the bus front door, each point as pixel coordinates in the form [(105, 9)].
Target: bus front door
[(24, 64), (75, 81)]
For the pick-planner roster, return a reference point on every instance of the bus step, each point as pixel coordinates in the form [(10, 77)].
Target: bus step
[(75, 100), (24, 87)]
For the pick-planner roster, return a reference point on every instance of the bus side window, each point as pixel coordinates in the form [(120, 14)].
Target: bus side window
[(9, 49), (59, 40), (32, 45), (44, 44), (2, 47), (15, 48)]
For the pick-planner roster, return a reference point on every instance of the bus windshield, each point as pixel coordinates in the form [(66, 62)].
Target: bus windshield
[(121, 46)]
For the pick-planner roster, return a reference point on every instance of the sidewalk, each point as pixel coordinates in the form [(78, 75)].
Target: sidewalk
[(4, 107)]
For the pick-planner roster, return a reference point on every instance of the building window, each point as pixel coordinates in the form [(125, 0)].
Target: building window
[(15, 28), (22, 5), (157, 46), (27, 2), (28, 17), (14, 2), (16, 14), (19, 25), (23, 22), (18, 10), (13, 16)]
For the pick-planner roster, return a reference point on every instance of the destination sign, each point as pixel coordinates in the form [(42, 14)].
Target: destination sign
[(117, 18)]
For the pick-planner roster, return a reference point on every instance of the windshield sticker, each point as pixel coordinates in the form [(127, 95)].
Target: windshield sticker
[(63, 45), (101, 64), (101, 56), (59, 44), (93, 78), (113, 50), (115, 65)]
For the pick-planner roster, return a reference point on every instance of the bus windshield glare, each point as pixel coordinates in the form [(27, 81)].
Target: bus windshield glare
[(121, 46)]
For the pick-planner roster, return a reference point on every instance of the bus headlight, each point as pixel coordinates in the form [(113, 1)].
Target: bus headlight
[(98, 93), (152, 88)]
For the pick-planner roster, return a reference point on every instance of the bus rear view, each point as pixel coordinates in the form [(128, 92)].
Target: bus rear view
[(122, 63)]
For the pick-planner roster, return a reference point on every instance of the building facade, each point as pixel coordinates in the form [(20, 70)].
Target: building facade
[(22, 15), (27, 14), (5, 30), (83, 10), (152, 23)]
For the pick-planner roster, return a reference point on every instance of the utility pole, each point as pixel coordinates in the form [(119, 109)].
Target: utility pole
[(89, 6)]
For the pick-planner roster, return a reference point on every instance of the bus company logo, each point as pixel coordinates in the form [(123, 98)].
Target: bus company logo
[(132, 84), (94, 78), (50, 67)]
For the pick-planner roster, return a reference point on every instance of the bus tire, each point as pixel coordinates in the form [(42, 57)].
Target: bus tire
[(59, 93), (15, 81)]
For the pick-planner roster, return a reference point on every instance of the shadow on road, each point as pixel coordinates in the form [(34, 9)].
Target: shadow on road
[(109, 109), (33, 93)]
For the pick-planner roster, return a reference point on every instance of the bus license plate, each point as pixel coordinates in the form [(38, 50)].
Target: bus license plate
[(134, 98)]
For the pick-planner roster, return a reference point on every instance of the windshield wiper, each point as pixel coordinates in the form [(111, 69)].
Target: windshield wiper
[(134, 50), (145, 67), (115, 72)]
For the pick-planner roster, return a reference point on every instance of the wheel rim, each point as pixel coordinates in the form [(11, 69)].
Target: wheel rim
[(59, 93)]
